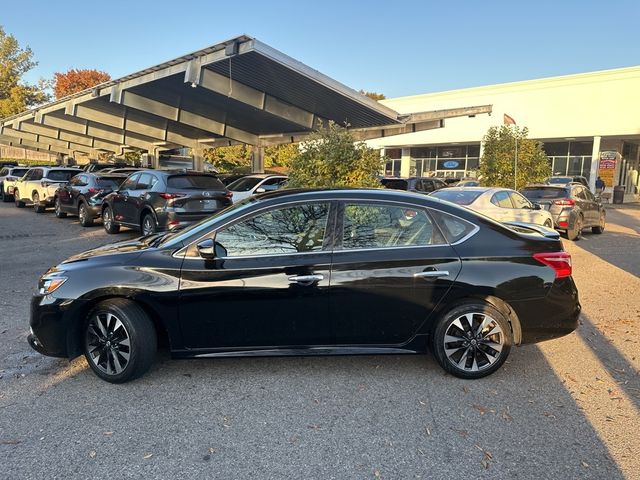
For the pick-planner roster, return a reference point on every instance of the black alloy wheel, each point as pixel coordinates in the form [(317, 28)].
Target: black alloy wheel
[(37, 207), (58, 208), (148, 224), (601, 224), (120, 341), (16, 198), (108, 221), (472, 340), (83, 215)]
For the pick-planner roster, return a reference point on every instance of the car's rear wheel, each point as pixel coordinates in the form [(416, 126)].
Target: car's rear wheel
[(472, 340), (37, 207), (148, 224), (575, 232), (108, 222), (16, 198), (120, 341), (57, 208), (601, 224), (86, 220), (3, 196)]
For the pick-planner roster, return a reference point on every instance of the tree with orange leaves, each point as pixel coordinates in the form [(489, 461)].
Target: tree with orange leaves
[(76, 80)]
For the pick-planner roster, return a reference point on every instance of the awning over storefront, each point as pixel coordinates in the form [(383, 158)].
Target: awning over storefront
[(238, 91)]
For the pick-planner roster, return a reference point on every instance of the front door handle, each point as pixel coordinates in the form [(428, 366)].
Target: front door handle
[(431, 273), (308, 279)]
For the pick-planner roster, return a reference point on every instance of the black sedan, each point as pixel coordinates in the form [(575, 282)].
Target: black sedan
[(83, 196), (313, 272), (157, 200)]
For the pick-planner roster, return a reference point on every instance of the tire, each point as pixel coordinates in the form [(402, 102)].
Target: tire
[(58, 209), (83, 215), (575, 233), (16, 199), (473, 356), (119, 340), (5, 198), (148, 224), (37, 207), (108, 222), (602, 224)]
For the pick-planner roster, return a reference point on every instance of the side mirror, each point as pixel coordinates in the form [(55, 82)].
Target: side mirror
[(537, 206), (261, 190), (207, 249)]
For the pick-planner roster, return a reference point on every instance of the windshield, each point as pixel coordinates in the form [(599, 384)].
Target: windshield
[(174, 238), (195, 182), (61, 175), (558, 180), (244, 184), (394, 184), (457, 196), (540, 193)]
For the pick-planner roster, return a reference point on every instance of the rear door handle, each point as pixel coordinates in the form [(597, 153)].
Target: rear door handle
[(431, 273), (316, 277)]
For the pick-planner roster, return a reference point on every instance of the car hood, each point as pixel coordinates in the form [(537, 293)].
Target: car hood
[(135, 246)]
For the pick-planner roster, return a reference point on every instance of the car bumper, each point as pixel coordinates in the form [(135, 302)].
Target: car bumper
[(552, 317), (51, 321)]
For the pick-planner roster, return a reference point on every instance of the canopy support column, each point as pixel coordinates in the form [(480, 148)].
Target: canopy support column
[(257, 160)]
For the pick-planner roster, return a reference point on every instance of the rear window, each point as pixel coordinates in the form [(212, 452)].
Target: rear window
[(541, 193), (244, 184), (456, 196), (195, 182), (18, 172), (109, 182), (394, 184), (61, 175)]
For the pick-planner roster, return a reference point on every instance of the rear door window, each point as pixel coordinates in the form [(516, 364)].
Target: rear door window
[(195, 182), (146, 182), (384, 226), (501, 199), (519, 201), (454, 229)]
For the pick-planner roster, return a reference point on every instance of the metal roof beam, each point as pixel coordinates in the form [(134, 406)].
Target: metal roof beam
[(32, 145), (446, 113), (262, 101)]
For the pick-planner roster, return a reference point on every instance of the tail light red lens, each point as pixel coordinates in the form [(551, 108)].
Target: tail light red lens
[(565, 202), (95, 190), (559, 261), (170, 196)]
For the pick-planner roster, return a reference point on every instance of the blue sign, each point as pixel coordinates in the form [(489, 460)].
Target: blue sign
[(450, 164)]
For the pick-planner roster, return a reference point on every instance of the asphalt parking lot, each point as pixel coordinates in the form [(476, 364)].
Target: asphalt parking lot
[(568, 408)]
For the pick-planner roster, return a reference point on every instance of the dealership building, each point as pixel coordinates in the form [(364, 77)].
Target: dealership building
[(581, 119)]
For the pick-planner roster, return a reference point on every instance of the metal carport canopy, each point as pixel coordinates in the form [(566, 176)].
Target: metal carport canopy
[(237, 91)]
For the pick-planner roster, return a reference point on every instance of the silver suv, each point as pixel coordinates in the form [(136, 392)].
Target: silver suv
[(39, 185)]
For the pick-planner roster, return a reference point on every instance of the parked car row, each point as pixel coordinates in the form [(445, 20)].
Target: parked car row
[(144, 199)]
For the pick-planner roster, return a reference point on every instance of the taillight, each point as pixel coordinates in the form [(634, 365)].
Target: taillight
[(565, 202), (559, 261), (170, 196), (95, 190)]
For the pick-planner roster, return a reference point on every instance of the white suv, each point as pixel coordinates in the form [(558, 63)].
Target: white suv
[(39, 186), (8, 178)]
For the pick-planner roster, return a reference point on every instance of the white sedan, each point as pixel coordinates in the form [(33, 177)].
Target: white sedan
[(251, 184), (501, 204)]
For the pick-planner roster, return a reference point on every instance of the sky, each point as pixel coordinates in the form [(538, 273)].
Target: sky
[(396, 47)]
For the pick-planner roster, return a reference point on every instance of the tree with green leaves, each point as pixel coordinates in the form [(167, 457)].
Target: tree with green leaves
[(232, 159), (498, 162), (16, 95), (332, 158)]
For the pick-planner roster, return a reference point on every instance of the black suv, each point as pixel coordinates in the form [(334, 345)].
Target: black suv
[(83, 196), (414, 184), (572, 206), (154, 200)]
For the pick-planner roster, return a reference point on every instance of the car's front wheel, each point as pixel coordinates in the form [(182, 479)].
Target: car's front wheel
[(108, 221), (472, 340), (37, 206), (148, 224), (120, 341)]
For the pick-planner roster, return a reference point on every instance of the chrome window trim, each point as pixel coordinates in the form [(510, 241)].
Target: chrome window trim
[(182, 252)]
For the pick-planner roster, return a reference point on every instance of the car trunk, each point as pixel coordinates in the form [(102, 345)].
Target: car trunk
[(197, 195)]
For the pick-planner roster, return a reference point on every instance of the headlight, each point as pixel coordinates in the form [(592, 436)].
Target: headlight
[(49, 285)]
